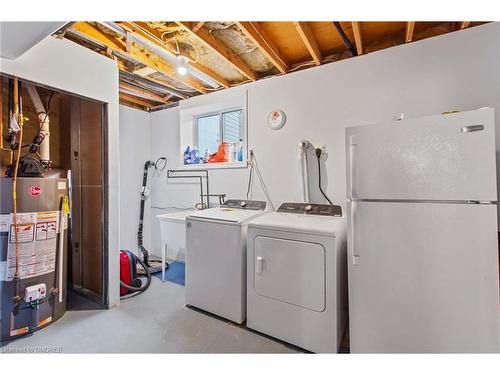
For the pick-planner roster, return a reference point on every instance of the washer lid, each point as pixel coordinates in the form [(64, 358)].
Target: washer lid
[(177, 217), (226, 214), (299, 223)]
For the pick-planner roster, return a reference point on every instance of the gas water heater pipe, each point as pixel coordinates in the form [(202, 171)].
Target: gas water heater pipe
[(43, 118), (303, 147)]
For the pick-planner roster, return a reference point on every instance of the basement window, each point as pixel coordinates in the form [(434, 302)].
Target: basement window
[(213, 129)]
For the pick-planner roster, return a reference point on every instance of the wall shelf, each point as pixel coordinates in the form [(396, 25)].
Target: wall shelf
[(229, 165)]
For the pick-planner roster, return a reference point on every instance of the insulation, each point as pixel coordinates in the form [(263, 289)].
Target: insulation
[(232, 37)]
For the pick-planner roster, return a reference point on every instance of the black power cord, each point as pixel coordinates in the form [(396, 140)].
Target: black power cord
[(318, 152)]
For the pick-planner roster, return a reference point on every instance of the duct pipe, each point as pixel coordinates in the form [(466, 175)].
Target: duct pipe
[(153, 47), (304, 178), (43, 119)]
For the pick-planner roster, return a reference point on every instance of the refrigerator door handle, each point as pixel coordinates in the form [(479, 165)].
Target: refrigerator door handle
[(352, 145), (353, 251)]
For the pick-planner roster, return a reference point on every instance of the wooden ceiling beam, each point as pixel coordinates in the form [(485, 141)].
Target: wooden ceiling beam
[(143, 93), (125, 102), (154, 36), (138, 54), (410, 27), (309, 41), (255, 32), (358, 40), (464, 25), (215, 45), (198, 26), (136, 100), (167, 86)]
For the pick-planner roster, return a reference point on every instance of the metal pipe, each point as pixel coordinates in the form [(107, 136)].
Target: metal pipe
[(43, 118), (132, 78), (153, 47), (345, 39), (171, 172), (303, 169)]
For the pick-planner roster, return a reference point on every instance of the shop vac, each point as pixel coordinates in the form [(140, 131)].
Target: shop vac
[(132, 267)]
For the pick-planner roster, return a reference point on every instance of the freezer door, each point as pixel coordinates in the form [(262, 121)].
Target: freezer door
[(447, 157), (423, 278)]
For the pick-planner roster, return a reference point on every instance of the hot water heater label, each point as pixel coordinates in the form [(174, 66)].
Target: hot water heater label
[(37, 242)]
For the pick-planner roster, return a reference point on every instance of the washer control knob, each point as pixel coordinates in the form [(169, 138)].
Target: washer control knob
[(308, 207), (243, 204)]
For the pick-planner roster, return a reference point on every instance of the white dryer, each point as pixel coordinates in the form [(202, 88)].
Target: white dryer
[(297, 276), (216, 258)]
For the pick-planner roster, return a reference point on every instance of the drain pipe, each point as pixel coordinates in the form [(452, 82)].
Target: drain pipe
[(43, 118), (345, 39), (303, 149)]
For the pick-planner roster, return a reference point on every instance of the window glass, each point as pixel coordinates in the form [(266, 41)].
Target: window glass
[(209, 136), (232, 126)]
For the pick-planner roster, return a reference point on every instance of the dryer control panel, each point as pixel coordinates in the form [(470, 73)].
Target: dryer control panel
[(245, 204), (311, 209)]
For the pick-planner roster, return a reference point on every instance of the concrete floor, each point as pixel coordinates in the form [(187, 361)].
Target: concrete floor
[(154, 322)]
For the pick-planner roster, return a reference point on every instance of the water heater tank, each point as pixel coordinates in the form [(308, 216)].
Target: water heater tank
[(39, 205)]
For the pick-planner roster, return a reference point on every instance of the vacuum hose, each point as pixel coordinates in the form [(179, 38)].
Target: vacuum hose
[(142, 288), (145, 253)]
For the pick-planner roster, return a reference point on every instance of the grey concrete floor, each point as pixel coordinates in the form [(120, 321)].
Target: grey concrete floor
[(154, 322)]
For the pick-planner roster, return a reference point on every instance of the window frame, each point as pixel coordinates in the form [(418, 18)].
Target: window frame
[(221, 126)]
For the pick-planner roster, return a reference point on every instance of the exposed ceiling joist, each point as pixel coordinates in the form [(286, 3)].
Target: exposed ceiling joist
[(154, 36), (255, 32), (358, 40), (410, 26), (309, 41), (464, 24), (143, 93), (138, 54), (146, 81), (136, 100), (220, 49), (197, 26)]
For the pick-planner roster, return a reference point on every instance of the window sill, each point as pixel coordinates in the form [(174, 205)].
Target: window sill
[(228, 165)]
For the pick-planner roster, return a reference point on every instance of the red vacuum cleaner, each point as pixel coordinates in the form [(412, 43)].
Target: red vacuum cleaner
[(130, 283)]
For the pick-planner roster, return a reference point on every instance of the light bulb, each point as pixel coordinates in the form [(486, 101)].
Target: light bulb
[(182, 70)]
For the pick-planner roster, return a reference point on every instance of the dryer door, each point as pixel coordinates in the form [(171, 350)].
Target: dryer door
[(290, 271)]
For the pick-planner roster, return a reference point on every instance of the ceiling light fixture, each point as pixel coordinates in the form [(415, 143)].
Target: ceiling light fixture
[(182, 67)]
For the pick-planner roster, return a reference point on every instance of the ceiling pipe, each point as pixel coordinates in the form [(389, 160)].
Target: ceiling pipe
[(153, 47), (345, 39), (132, 78)]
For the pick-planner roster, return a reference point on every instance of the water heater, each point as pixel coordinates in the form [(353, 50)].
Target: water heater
[(42, 254)]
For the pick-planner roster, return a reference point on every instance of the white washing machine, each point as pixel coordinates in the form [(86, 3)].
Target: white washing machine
[(297, 276), (216, 258)]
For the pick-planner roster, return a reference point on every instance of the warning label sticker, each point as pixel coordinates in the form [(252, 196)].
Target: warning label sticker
[(25, 233), (37, 242)]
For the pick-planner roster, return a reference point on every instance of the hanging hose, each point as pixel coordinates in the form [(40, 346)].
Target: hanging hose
[(318, 156), (140, 245)]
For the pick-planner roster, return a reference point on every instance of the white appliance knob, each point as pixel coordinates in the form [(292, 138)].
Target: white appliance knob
[(308, 207), (243, 204)]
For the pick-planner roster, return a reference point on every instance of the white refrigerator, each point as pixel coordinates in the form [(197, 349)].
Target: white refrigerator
[(422, 235)]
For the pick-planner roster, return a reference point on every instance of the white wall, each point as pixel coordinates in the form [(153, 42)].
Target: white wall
[(135, 150), (457, 71), (64, 65)]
